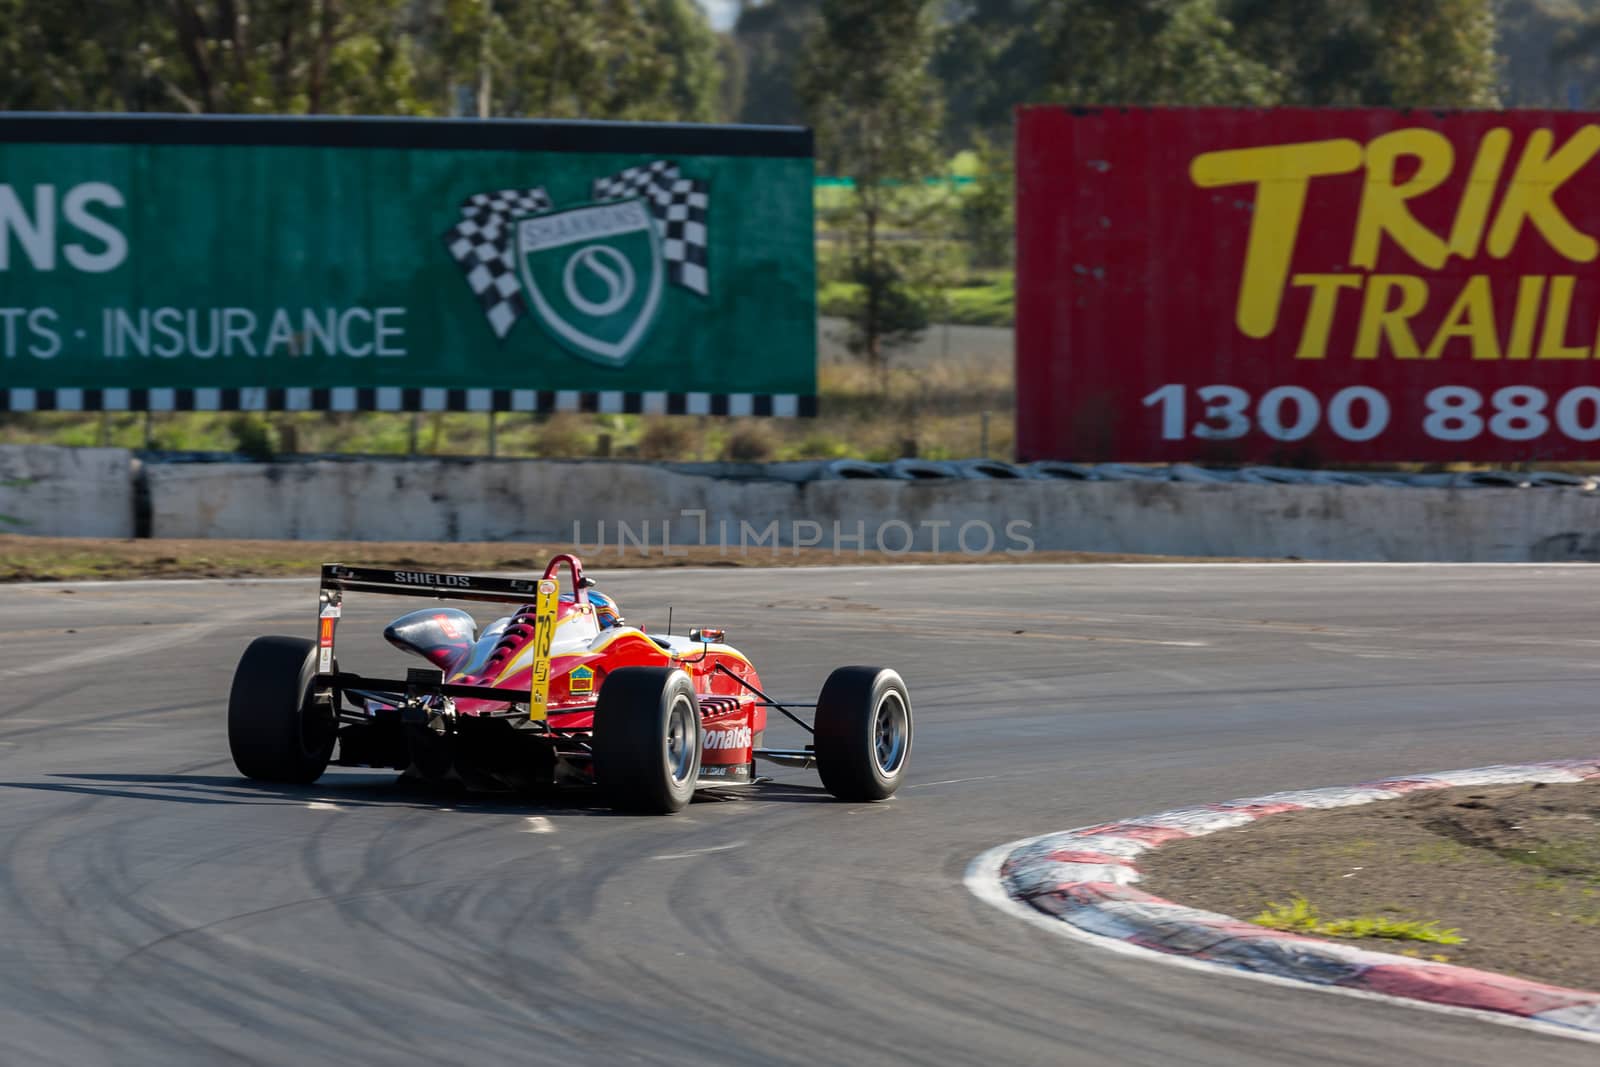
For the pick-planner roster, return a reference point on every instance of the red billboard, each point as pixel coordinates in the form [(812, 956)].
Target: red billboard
[(1307, 286)]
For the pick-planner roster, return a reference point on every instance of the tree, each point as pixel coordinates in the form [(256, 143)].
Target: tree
[(989, 60), (987, 214), (297, 56), (866, 86), (995, 54), (770, 36), (560, 58), (1395, 53), (695, 58), (602, 59), (81, 56), (1551, 52), (1147, 52)]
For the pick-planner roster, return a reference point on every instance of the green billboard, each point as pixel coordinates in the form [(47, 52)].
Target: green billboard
[(177, 263)]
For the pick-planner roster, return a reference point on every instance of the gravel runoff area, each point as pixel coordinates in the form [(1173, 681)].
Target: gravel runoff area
[(1513, 870), (24, 558)]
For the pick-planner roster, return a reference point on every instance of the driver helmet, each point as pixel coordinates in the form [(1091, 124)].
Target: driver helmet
[(605, 609)]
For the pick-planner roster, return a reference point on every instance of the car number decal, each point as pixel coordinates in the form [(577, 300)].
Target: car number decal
[(544, 632)]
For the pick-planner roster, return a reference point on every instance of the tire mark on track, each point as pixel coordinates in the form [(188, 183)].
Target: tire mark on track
[(152, 642)]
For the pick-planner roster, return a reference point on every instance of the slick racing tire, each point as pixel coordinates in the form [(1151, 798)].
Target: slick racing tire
[(275, 732), (863, 733), (647, 739)]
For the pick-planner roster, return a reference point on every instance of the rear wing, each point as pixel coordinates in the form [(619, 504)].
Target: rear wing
[(543, 593), (337, 578)]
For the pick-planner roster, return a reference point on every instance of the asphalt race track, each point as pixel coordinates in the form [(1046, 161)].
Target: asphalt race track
[(155, 908)]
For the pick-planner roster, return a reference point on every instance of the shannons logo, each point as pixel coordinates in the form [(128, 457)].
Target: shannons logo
[(452, 581), (738, 737), (592, 274)]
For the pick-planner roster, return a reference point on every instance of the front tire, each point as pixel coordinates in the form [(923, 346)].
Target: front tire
[(647, 739), (863, 733), (275, 731)]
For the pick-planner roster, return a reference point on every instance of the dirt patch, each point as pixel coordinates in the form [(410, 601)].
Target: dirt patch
[(24, 559), (1515, 870)]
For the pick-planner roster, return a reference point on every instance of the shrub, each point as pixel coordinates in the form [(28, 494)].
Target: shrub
[(822, 446), (251, 436), (749, 442), (563, 436), (665, 437)]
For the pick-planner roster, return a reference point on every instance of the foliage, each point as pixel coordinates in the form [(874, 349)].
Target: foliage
[(665, 437), (822, 446), (1537, 72), (74, 55), (993, 304), (988, 302), (888, 306), (1398, 53), (564, 436), (252, 436), (989, 60), (604, 59), (868, 91), (301, 56), (995, 54), (948, 395), (633, 59), (1301, 916), (1147, 52), (749, 442), (987, 212), (769, 38)]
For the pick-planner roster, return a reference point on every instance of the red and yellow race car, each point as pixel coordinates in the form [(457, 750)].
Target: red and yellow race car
[(560, 691)]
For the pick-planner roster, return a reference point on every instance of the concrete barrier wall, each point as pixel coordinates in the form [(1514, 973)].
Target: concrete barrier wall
[(66, 492), (610, 507), (626, 505)]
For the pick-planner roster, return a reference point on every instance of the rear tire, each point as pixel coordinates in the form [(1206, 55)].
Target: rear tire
[(275, 732), (647, 739), (863, 733)]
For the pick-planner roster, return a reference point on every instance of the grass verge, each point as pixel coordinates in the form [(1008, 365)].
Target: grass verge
[(989, 302), (67, 559), (1504, 879)]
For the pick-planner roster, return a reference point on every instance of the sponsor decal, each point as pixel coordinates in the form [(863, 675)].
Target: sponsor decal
[(738, 737), (581, 680), (449, 581), (448, 625), (1372, 285), (325, 627), (592, 275), (1479, 233)]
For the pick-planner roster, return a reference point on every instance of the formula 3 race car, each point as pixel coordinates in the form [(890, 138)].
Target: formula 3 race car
[(561, 691)]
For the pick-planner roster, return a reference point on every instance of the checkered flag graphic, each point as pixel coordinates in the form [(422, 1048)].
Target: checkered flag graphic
[(482, 243), (679, 207)]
